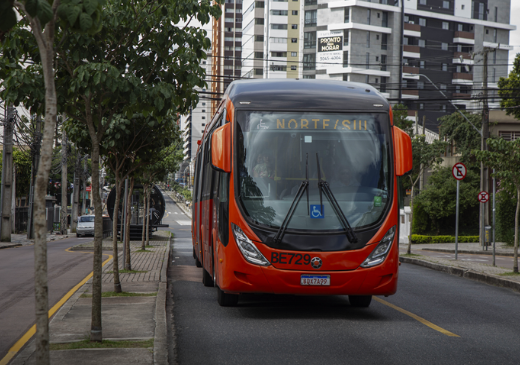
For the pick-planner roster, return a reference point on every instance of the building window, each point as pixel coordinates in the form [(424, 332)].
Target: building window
[(420, 85), (422, 43), (278, 54), (309, 61), (382, 86), (345, 37), (311, 18), (384, 22), (383, 64), (259, 55), (494, 76), (495, 35), (294, 54), (384, 41), (294, 40), (309, 40), (496, 14), (259, 71), (444, 46), (367, 61), (293, 68), (445, 25), (278, 40), (421, 106), (367, 79), (259, 38), (422, 2), (203, 110), (369, 16), (203, 117), (259, 21), (295, 12), (279, 26), (278, 68), (422, 22), (460, 27), (509, 136), (422, 64), (442, 86), (377, 58), (446, 4), (443, 107), (377, 37), (279, 12), (368, 39), (345, 59), (294, 26), (309, 77), (495, 57), (480, 11), (347, 15), (444, 67), (203, 104)]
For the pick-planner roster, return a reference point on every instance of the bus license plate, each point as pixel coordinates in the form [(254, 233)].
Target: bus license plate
[(315, 280)]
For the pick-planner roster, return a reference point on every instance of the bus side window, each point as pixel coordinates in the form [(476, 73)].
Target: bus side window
[(223, 208)]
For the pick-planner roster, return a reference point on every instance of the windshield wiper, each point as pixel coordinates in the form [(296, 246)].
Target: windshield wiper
[(304, 185), (324, 186)]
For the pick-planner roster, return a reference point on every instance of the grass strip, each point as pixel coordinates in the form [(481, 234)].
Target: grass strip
[(87, 344), (110, 294), (143, 251), (511, 273)]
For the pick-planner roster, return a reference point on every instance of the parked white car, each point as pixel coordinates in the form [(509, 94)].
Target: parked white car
[(85, 225)]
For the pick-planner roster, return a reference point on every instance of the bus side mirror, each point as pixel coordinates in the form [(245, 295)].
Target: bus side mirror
[(402, 152), (221, 148)]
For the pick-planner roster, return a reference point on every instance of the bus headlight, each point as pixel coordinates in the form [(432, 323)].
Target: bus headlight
[(381, 251), (248, 248)]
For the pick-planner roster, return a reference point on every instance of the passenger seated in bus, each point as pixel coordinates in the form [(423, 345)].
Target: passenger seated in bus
[(263, 168)]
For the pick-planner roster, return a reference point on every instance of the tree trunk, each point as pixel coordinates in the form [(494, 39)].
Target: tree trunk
[(45, 45), (75, 194), (84, 187), (96, 333), (148, 217), (409, 249), (515, 262), (64, 183), (128, 263), (145, 216), (115, 265)]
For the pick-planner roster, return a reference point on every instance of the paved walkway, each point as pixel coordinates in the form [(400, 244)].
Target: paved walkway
[(141, 317), (494, 275)]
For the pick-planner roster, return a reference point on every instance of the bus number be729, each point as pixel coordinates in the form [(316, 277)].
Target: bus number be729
[(290, 258)]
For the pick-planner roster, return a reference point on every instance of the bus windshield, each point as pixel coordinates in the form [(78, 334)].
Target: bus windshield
[(276, 151)]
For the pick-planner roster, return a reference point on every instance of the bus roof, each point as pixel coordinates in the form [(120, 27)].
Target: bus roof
[(300, 94)]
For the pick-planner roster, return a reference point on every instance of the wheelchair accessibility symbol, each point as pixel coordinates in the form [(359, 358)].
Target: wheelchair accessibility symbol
[(316, 213)]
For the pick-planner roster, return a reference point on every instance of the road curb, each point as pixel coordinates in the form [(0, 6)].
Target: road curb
[(465, 273), (160, 344), (10, 245), (473, 252)]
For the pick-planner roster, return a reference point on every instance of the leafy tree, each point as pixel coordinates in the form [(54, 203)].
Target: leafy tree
[(40, 16), (504, 157), (400, 113), (22, 161), (425, 155), (438, 199), (459, 133), (509, 90)]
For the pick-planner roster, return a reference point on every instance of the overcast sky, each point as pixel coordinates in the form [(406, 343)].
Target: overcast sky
[(514, 39)]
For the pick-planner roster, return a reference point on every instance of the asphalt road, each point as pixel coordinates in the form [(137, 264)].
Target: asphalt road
[(434, 318), (17, 303)]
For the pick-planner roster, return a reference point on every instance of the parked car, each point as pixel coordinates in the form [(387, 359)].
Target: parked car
[(85, 225)]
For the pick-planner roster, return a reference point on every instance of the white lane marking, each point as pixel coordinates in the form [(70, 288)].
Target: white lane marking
[(184, 223), (170, 213), (176, 212)]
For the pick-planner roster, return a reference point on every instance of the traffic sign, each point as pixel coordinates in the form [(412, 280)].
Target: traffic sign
[(459, 171), (483, 197), (88, 188)]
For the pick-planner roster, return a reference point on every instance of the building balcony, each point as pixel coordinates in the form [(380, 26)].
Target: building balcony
[(461, 96), (411, 70), (412, 30), (411, 113), (466, 35), (410, 94), (412, 51), (462, 76), (465, 55)]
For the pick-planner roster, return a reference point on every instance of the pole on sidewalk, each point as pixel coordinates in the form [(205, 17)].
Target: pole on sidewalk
[(494, 208), (457, 222), (123, 223), (7, 175)]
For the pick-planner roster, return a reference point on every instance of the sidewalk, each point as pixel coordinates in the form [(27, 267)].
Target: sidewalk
[(485, 273), (20, 239), (139, 318)]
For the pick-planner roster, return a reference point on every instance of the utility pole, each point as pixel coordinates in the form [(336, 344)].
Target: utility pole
[(75, 194), (401, 51), (7, 175), (484, 178), (84, 196), (34, 170), (64, 182), (421, 178)]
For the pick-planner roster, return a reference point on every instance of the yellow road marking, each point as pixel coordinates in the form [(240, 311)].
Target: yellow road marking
[(28, 335), (416, 317)]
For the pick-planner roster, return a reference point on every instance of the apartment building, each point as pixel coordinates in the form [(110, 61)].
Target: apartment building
[(444, 41)]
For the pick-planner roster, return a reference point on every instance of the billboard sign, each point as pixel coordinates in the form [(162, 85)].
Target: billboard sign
[(330, 49)]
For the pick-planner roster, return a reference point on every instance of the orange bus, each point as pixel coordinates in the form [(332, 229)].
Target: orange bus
[(296, 191)]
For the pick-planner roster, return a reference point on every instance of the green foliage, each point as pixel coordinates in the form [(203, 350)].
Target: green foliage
[(509, 90), (442, 239), (438, 199), (183, 191), (421, 220), (505, 216), (459, 133), (22, 161), (400, 113)]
